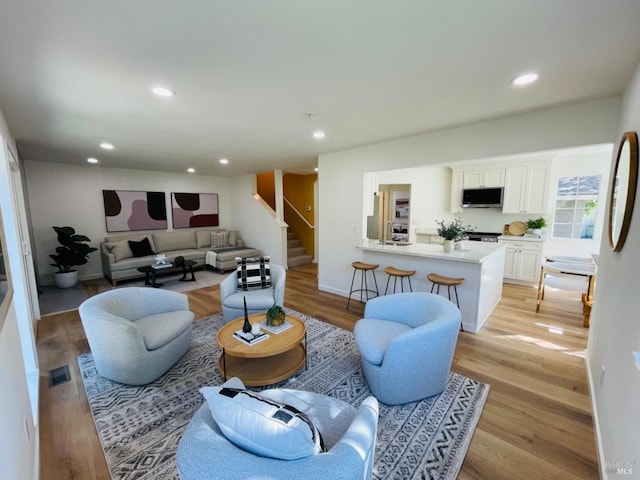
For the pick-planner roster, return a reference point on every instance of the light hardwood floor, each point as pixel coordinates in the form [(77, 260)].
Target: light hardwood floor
[(536, 423)]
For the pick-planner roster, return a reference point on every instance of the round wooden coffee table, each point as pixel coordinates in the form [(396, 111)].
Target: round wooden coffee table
[(269, 361)]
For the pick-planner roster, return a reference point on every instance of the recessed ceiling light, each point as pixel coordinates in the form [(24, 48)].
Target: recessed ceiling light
[(525, 79), (106, 146), (319, 134), (92, 160), (191, 170), (163, 91), (224, 161), (315, 169)]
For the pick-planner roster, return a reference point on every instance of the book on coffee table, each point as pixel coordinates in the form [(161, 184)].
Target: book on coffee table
[(249, 338), (274, 329), (161, 265)]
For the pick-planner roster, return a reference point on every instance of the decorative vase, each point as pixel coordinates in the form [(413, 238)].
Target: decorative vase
[(279, 320), (246, 327), (66, 279), (447, 246)]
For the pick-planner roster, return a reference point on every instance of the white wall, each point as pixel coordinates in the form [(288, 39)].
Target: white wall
[(259, 227), (63, 194), (615, 331), (341, 173), (18, 430), (430, 192)]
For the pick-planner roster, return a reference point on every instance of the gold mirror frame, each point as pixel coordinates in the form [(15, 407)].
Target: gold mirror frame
[(620, 230)]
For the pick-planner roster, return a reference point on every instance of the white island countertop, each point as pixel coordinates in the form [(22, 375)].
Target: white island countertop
[(473, 252), (481, 264)]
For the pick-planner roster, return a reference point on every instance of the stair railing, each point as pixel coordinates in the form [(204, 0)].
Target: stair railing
[(309, 225)]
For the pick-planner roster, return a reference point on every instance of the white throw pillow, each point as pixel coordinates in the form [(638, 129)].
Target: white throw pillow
[(233, 237), (120, 249), (262, 426)]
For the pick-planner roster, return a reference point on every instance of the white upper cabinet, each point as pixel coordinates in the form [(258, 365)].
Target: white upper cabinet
[(483, 178), (526, 189)]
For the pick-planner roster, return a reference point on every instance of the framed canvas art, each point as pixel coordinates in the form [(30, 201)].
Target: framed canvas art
[(127, 210), (194, 210)]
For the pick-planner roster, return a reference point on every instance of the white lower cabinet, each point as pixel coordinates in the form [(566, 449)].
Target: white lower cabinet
[(522, 260)]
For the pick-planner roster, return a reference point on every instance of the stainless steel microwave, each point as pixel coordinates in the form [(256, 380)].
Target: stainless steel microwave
[(482, 197)]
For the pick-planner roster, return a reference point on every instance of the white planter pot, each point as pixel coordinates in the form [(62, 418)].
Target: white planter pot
[(66, 280), (447, 245)]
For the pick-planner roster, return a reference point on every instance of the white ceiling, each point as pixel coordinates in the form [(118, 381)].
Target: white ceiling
[(74, 73)]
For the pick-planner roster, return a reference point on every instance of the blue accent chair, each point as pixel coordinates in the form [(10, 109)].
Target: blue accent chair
[(349, 435), (136, 334), (259, 300), (406, 342)]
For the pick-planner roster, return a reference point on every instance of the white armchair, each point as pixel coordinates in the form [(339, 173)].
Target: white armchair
[(136, 334), (259, 300)]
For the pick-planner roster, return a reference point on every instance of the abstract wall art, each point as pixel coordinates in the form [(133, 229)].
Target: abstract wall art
[(194, 210), (127, 210)]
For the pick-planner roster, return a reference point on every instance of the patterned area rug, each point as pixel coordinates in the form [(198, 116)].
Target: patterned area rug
[(140, 427)]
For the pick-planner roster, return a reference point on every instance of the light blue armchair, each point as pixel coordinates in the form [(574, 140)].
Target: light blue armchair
[(136, 334), (349, 435), (259, 300), (406, 342)]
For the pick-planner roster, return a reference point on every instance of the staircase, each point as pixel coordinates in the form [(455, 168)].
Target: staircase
[(296, 253)]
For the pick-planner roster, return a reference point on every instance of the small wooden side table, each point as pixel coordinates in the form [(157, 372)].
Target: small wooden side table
[(267, 362)]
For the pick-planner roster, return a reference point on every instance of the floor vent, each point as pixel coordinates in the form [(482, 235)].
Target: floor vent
[(59, 375)]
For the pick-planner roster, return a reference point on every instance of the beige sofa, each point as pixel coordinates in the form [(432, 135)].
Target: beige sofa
[(119, 261)]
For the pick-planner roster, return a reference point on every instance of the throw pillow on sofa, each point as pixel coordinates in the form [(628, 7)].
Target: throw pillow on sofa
[(262, 426), (253, 273), (141, 248), (219, 239), (119, 249)]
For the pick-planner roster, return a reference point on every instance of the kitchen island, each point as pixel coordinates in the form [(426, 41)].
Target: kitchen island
[(481, 264)]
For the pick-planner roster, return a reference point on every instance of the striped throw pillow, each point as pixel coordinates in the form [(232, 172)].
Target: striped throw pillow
[(219, 239), (253, 273)]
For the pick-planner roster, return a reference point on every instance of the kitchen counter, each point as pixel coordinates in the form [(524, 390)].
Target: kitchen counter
[(473, 252), (481, 264)]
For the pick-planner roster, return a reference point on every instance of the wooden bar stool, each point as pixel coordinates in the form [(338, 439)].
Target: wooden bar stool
[(401, 274), (437, 279), (363, 268)]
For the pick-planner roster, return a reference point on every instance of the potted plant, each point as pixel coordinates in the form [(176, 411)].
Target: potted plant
[(452, 231), (536, 225), (71, 252), (275, 316)]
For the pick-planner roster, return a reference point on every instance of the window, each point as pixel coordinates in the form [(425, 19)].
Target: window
[(576, 206)]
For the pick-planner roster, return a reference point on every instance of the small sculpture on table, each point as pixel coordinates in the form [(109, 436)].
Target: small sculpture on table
[(246, 327), (161, 259)]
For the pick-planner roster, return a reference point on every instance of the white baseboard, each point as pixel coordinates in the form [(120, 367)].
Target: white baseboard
[(336, 291), (596, 423)]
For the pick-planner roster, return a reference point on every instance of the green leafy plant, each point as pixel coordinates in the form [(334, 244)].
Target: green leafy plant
[(72, 250), (590, 206), (536, 223), (275, 316), (453, 230)]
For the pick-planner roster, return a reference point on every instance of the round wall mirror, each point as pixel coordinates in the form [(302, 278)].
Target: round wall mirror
[(623, 190)]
